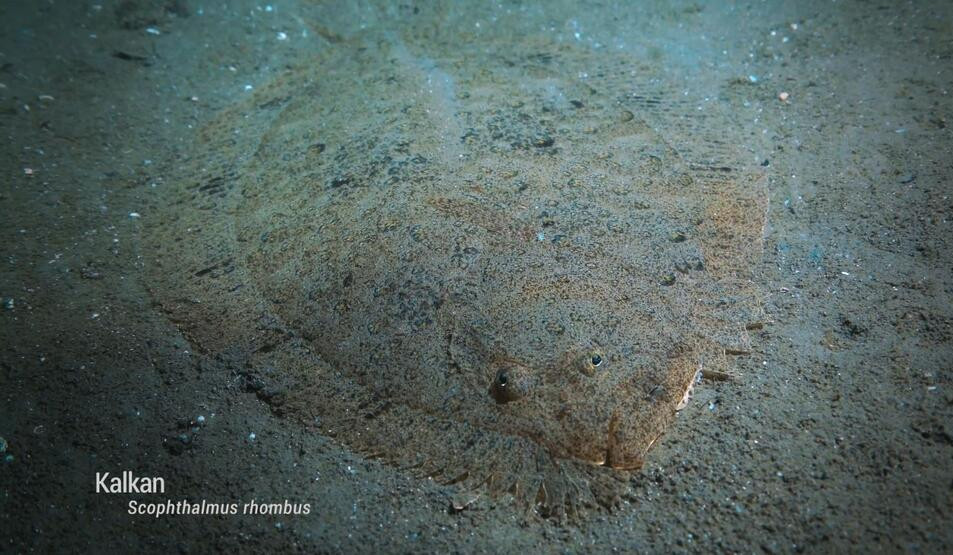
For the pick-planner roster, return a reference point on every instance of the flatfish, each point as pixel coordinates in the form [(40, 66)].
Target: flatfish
[(482, 266)]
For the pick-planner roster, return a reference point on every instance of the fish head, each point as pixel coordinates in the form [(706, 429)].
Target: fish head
[(589, 378)]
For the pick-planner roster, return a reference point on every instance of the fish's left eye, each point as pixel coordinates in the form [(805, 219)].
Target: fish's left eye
[(511, 383)]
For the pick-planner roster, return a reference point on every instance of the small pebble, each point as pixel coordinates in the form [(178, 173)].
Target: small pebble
[(200, 419), (251, 436), (543, 142), (784, 96)]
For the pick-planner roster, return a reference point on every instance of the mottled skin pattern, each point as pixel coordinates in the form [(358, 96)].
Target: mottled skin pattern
[(497, 276)]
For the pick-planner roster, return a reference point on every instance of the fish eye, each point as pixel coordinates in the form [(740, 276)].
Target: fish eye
[(508, 386), (589, 362)]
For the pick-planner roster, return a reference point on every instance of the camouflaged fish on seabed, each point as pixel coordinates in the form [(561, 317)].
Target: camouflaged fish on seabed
[(486, 271)]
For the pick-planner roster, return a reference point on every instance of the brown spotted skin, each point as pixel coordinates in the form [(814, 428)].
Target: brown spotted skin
[(461, 271)]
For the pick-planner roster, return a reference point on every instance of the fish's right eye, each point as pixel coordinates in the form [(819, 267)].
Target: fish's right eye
[(590, 362)]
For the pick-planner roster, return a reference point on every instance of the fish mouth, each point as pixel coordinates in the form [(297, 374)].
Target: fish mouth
[(616, 459), (627, 463), (616, 456), (620, 452)]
